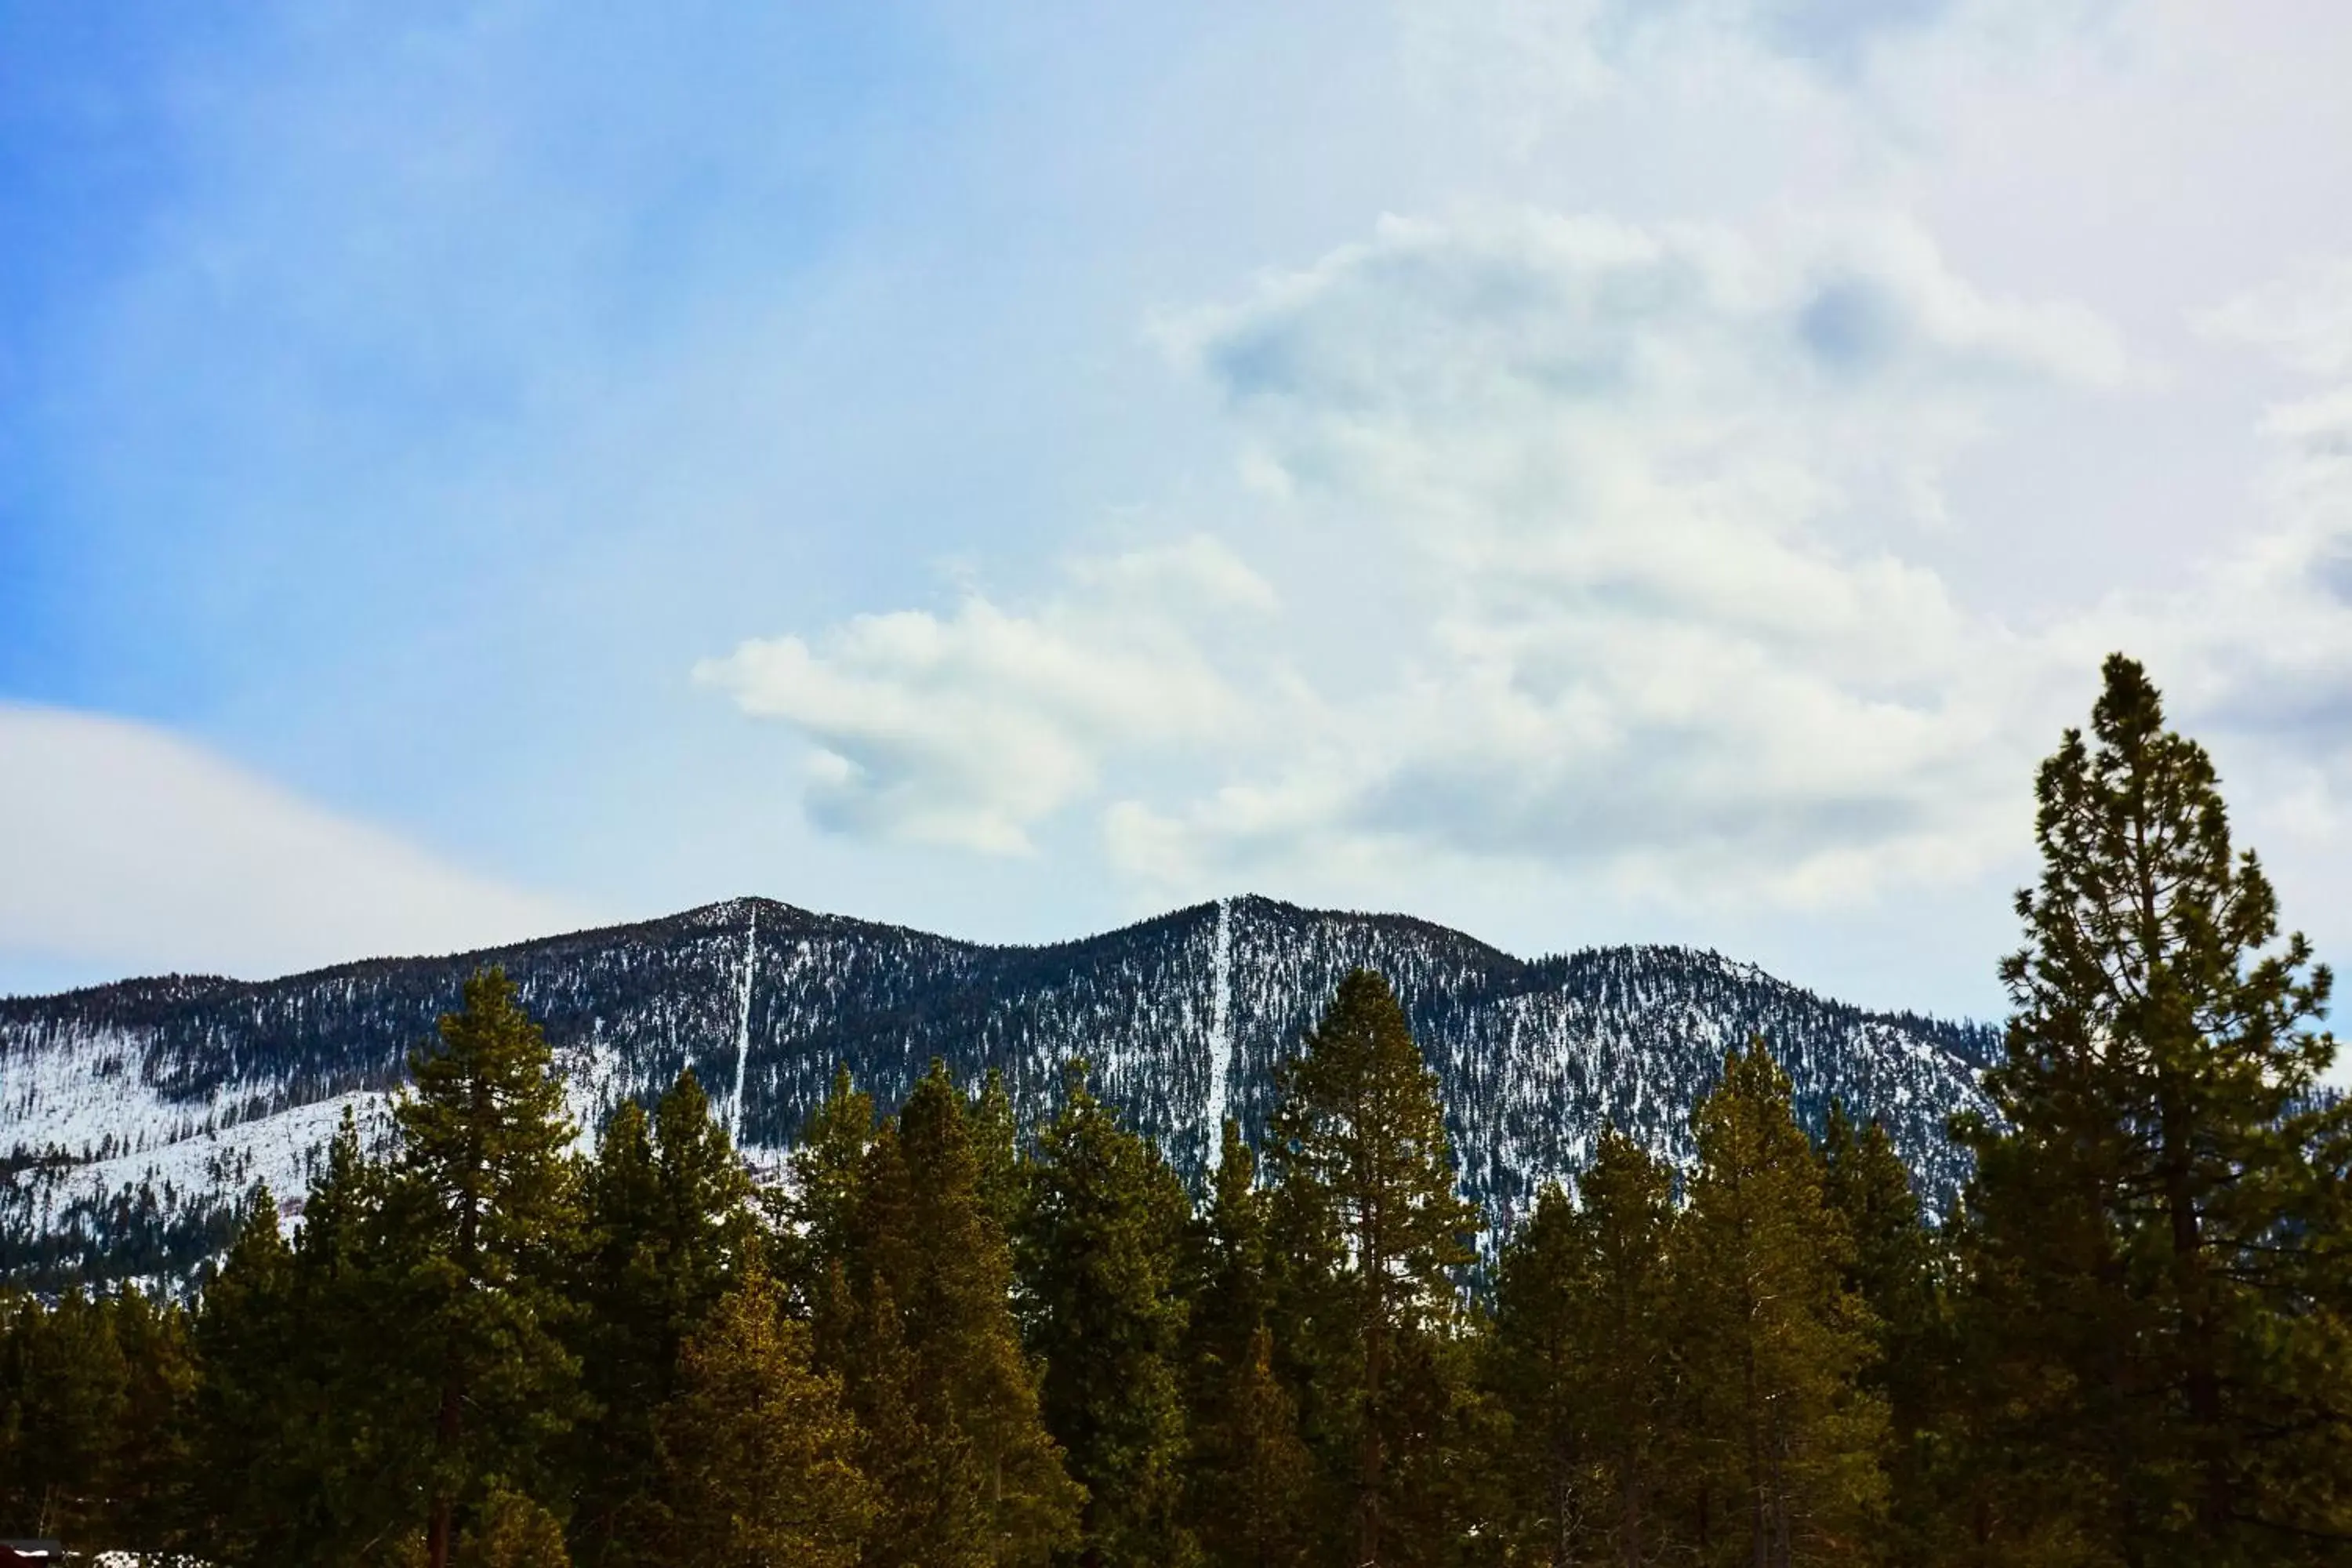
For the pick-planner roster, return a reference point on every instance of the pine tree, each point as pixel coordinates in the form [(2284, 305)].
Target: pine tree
[(1865, 1183), (1250, 1478), (1783, 1439), (1226, 1267), (362, 1387), (1101, 1251), (817, 1213), (910, 1279), (1579, 1358), (1367, 1202), (666, 1222), (148, 1496), (265, 1352), (756, 1449), (67, 1388), (494, 1203), (628, 1352), (310, 1391), (995, 1144), (1894, 1269), (1253, 1475), (2167, 1362), (241, 1337), (514, 1532)]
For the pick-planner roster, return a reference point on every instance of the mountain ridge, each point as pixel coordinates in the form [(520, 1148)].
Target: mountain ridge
[(132, 1107)]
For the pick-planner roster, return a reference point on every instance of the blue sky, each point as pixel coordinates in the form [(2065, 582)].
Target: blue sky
[(1584, 472)]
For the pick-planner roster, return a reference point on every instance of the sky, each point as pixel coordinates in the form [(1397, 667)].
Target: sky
[(1583, 472)]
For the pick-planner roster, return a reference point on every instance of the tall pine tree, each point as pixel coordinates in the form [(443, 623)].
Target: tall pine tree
[(1580, 1359), (1366, 1189), (909, 1276), (1100, 1249), (1897, 1267), (757, 1453), (2155, 1309), (492, 1205), (669, 1225), (1249, 1477), (1783, 1438), (64, 1395)]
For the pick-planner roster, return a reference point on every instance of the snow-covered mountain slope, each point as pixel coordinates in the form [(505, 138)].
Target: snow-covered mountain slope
[(132, 1114)]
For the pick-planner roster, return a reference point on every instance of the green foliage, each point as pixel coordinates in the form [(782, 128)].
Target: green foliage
[(1251, 1478), (151, 1459), (513, 1532), (1580, 1362), (244, 1335), (95, 1408), (1100, 1249), (669, 1225), (995, 1145), (1898, 1268), (66, 1389), (2157, 1317), (490, 1208), (757, 1451), (1372, 1232), (1779, 1450), (910, 1277)]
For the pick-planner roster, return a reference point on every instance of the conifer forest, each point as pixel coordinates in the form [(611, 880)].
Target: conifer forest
[(942, 1338)]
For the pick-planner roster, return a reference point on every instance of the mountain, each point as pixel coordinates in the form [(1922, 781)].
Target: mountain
[(133, 1114)]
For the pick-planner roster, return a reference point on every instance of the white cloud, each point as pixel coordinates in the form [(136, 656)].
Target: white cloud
[(970, 728), (2263, 647), (2304, 317), (128, 845), (1634, 488), (1649, 482)]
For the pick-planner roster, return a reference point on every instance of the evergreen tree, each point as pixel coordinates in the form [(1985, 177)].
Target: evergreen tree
[(995, 1144), (668, 1215), (1374, 1230), (311, 1391), (756, 1449), (1100, 1249), (909, 1278), (94, 1418), (1783, 1438), (1892, 1266), (1227, 1281), (1250, 1478), (362, 1387), (2155, 1311), (817, 1213), (1580, 1361), (513, 1532), (67, 1388), (494, 1206), (244, 1335), (627, 1348), (1896, 1269), (1253, 1475), (147, 1494)]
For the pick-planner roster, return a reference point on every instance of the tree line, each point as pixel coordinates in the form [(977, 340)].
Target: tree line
[(938, 1342)]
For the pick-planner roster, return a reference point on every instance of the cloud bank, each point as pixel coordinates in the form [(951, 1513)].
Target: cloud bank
[(130, 846), (1636, 492)]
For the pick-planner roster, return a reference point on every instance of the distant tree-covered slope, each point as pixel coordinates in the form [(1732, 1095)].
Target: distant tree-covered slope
[(130, 1113)]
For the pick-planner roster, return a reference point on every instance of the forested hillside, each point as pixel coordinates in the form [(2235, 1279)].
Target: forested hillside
[(135, 1115)]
